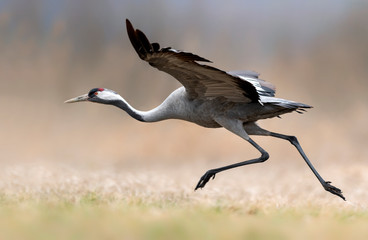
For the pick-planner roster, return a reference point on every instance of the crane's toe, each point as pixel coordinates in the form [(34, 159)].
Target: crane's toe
[(205, 178), (334, 190)]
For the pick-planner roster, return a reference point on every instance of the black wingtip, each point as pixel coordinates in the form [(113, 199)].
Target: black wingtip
[(130, 29), (134, 37), (127, 21), (156, 47), (143, 46), (144, 41)]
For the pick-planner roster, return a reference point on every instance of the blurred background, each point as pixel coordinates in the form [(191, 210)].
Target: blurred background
[(315, 52)]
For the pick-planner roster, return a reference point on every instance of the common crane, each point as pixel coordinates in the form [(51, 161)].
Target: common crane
[(211, 98)]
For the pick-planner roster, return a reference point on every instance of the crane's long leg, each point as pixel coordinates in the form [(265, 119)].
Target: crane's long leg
[(326, 185), (212, 172), (235, 126)]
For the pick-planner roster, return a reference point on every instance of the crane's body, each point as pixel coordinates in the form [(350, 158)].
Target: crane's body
[(179, 106), (210, 98)]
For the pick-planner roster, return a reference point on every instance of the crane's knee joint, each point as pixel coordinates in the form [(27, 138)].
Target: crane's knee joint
[(293, 140), (264, 157)]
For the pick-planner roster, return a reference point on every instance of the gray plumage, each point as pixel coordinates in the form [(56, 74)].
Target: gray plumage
[(210, 98)]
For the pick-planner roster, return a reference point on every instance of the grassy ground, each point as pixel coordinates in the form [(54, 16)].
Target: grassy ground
[(93, 217), (50, 201)]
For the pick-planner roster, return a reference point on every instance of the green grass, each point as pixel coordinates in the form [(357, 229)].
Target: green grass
[(94, 217)]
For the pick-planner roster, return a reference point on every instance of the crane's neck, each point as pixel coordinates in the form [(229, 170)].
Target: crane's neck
[(154, 115)]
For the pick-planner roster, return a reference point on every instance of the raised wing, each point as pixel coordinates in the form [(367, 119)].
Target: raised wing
[(199, 80)]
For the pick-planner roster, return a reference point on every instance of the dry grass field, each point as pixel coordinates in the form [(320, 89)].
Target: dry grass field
[(87, 171), (56, 201), (43, 201)]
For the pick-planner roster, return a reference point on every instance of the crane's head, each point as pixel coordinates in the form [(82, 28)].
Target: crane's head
[(98, 95)]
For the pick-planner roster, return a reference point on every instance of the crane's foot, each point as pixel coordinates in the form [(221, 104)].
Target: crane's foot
[(205, 178), (334, 190)]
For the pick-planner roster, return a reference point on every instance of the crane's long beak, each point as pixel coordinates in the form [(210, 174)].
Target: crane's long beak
[(78, 99)]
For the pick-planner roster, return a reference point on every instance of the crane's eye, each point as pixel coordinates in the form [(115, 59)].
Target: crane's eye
[(94, 92)]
